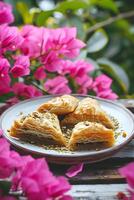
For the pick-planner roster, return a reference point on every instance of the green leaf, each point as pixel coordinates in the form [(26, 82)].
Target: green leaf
[(94, 63), (97, 41), (106, 4), (74, 21), (5, 97), (5, 186), (116, 72), (30, 3), (71, 5), (82, 55), (42, 17), (24, 11)]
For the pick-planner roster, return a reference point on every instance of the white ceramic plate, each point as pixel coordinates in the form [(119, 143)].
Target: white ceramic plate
[(124, 117)]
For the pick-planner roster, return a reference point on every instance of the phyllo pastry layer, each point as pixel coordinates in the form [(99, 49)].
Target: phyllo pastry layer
[(90, 132), (60, 105), (39, 126), (88, 110)]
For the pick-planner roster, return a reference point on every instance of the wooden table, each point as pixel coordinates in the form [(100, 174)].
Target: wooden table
[(100, 181)]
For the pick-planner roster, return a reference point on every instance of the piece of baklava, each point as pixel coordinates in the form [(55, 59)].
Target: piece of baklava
[(88, 110), (60, 105), (39, 127), (90, 132)]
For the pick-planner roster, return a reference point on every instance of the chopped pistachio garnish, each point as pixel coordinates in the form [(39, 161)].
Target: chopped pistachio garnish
[(124, 134), (117, 134)]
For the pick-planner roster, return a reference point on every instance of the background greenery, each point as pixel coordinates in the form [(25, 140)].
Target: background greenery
[(106, 26)]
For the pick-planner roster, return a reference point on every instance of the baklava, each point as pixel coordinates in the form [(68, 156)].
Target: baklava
[(88, 109), (59, 105), (39, 127), (90, 132)]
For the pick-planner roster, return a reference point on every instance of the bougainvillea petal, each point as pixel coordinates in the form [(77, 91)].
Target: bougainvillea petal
[(25, 91), (128, 172), (74, 170), (6, 15), (1, 132), (57, 85)]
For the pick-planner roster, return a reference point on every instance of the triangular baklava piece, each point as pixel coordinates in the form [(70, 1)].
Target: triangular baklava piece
[(60, 105), (90, 132), (88, 110), (43, 127)]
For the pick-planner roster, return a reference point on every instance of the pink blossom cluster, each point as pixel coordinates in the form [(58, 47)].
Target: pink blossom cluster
[(31, 176), (37, 60), (6, 15), (102, 87), (128, 173)]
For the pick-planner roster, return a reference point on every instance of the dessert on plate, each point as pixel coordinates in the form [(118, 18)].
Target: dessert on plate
[(86, 120), (90, 132), (60, 105), (39, 126), (88, 110)]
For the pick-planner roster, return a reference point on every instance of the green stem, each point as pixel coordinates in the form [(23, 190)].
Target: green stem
[(37, 86), (110, 21)]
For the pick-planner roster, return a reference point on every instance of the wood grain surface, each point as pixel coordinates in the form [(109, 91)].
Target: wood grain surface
[(98, 192)]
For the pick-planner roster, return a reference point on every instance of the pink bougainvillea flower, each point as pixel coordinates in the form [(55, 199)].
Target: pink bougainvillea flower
[(31, 44), (128, 172), (65, 67), (10, 38), (102, 86), (80, 68), (16, 178), (8, 159), (51, 62), (4, 77), (5, 171), (85, 82), (1, 132), (41, 41), (76, 69), (102, 82), (3, 197), (41, 185), (26, 160), (57, 85), (74, 170), (25, 91), (40, 74), (58, 187), (30, 175), (21, 66), (107, 94), (6, 15), (35, 39), (64, 41)]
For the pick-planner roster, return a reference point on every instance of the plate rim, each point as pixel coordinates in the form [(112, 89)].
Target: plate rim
[(97, 153)]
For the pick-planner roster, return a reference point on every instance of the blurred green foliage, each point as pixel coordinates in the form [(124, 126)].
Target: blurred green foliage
[(106, 26)]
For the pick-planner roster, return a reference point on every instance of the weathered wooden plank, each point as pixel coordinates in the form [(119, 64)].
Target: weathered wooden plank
[(98, 192), (101, 172), (101, 176)]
